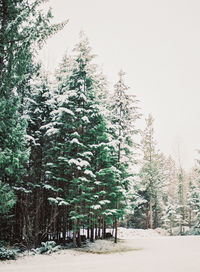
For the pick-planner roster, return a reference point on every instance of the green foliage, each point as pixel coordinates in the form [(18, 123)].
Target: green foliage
[(7, 201), (7, 198), (7, 254), (79, 143), (123, 116), (24, 29), (47, 247), (12, 143), (192, 231)]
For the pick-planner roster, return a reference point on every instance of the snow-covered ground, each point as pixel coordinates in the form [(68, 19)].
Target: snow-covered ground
[(153, 254), (124, 233)]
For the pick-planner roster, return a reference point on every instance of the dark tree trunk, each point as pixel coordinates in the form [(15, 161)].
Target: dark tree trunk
[(92, 233), (116, 226), (151, 215)]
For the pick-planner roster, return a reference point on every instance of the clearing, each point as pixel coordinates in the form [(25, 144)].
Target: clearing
[(153, 254)]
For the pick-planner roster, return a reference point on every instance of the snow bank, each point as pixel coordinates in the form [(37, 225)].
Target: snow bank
[(124, 233)]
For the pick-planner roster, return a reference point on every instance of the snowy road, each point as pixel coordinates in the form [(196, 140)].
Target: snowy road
[(156, 254)]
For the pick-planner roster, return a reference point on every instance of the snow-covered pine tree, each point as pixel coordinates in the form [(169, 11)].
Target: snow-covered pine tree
[(80, 150), (123, 116), (160, 186), (169, 198), (193, 199), (37, 112), (193, 205), (21, 26), (151, 177), (181, 197), (170, 218)]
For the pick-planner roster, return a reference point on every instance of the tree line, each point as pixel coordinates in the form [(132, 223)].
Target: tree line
[(71, 165)]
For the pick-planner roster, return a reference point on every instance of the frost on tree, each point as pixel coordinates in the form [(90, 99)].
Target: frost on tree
[(80, 156), (123, 116)]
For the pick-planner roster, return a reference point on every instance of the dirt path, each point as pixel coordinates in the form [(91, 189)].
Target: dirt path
[(156, 254)]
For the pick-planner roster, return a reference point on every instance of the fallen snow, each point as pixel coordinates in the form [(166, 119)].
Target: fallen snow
[(107, 246), (156, 254), (124, 233)]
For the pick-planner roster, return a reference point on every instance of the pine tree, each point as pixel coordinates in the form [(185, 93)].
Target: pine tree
[(79, 152), (22, 25), (7, 201), (37, 115), (170, 217), (181, 209), (150, 172), (22, 28), (169, 197), (124, 113), (193, 205)]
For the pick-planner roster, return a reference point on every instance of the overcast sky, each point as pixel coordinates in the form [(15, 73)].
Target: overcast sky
[(157, 43)]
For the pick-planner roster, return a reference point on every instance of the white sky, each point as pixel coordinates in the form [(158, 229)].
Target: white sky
[(157, 43)]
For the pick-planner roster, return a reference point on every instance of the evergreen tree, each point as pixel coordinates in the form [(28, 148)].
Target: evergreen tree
[(181, 191), (22, 28), (150, 173), (124, 113), (79, 151), (7, 201), (193, 205), (37, 115), (170, 203)]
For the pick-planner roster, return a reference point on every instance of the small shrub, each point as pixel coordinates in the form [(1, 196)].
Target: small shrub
[(47, 247), (7, 254), (193, 231), (20, 247)]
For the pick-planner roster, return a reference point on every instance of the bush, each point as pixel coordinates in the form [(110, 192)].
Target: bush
[(47, 247), (7, 254), (193, 231)]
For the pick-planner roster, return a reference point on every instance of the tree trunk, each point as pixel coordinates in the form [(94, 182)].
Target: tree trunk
[(147, 218), (64, 227), (75, 228), (99, 229), (88, 232), (79, 239), (96, 232), (74, 238), (190, 218), (151, 216), (103, 228), (116, 222), (92, 233), (38, 223), (116, 226)]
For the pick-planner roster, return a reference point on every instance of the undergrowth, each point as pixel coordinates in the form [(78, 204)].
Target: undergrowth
[(107, 247)]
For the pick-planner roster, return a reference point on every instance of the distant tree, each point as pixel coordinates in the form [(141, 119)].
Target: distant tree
[(169, 196), (193, 205), (181, 197), (150, 173), (193, 198)]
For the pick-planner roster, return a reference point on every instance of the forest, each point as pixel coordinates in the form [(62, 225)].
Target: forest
[(73, 160)]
